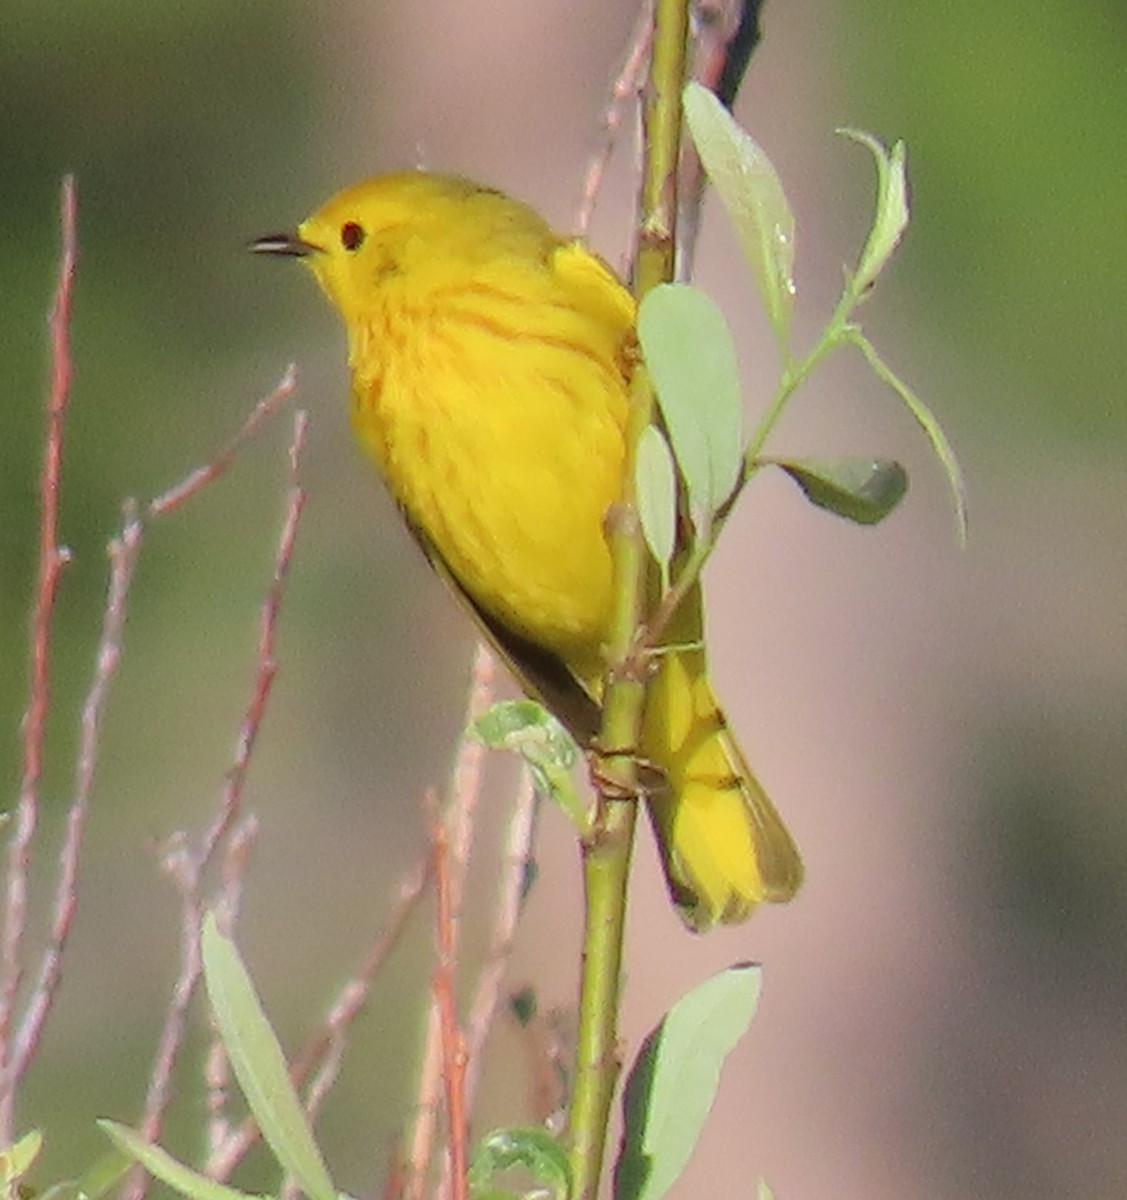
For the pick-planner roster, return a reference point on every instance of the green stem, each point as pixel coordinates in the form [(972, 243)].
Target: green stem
[(607, 847)]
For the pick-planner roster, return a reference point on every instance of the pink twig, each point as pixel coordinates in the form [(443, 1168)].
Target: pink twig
[(453, 1042), (266, 663), (209, 472), (52, 558), (511, 891), (185, 864), (324, 1050), (334, 1037), (626, 86), (461, 810), (123, 552)]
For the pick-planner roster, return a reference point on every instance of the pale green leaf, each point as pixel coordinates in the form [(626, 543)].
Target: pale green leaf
[(692, 363), (928, 422), (672, 1084), (95, 1182), (655, 482), (531, 1147), (161, 1165), (259, 1065), (763, 1192), (527, 729), (749, 187), (864, 490), (16, 1159), (892, 210)]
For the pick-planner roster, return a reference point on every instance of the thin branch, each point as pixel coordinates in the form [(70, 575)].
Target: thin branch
[(333, 1039), (461, 810), (198, 479), (52, 558), (185, 864), (123, 551), (453, 1041), (511, 893), (627, 86), (266, 664), (324, 1049)]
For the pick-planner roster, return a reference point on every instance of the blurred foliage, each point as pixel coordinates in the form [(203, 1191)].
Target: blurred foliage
[(1014, 115), (176, 122)]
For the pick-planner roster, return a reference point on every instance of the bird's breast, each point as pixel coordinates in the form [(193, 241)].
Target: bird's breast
[(506, 449)]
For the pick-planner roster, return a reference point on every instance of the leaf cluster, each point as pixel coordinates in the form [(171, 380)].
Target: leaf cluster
[(692, 467)]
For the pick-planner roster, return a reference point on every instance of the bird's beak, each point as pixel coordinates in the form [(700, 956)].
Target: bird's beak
[(283, 243)]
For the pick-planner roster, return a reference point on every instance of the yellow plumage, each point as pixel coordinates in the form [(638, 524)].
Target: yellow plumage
[(490, 367)]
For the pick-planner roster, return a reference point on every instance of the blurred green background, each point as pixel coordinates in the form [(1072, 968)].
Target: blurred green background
[(944, 1008)]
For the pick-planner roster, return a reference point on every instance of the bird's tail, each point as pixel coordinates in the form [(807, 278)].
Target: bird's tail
[(723, 845)]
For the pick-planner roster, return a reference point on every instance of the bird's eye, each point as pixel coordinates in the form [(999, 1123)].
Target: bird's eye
[(351, 235)]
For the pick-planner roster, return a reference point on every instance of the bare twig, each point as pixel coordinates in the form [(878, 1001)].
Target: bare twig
[(324, 1049), (453, 1041), (52, 558), (511, 892), (186, 864), (626, 87), (396, 1179), (123, 551), (460, 813), (198, 479), (420, 1148), (334, 1036)]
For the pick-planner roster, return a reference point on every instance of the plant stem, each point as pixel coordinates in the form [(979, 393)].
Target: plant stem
[(607, 847)]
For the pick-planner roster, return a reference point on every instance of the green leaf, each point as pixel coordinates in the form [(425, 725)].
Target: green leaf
[(928, 422), (161, 1165), (752, 194), (655, 481), (95, 1182), (17, 1159), (864, 490), (531, 1147), (672, 1084), (892, 211), (259, 1065), (529, 730), (692, 363), (763, 1192)]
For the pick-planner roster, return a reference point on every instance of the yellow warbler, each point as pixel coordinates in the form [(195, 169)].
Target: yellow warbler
[(490, 367)]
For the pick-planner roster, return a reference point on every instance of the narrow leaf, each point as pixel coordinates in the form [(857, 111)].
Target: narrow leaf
[(892, 210), (928, 422), (655, 482), (763, 1192), (672, 1084), (527, 729), (161, 1165), (752, 194), (259, 1064), (16, 1160), (531, 1147), (864, 490), (692, 362), (101, 1178)]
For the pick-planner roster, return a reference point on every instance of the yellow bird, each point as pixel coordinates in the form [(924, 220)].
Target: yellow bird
[(490, 364)]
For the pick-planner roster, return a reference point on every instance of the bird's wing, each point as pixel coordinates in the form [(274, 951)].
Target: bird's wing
[(543, 675)]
